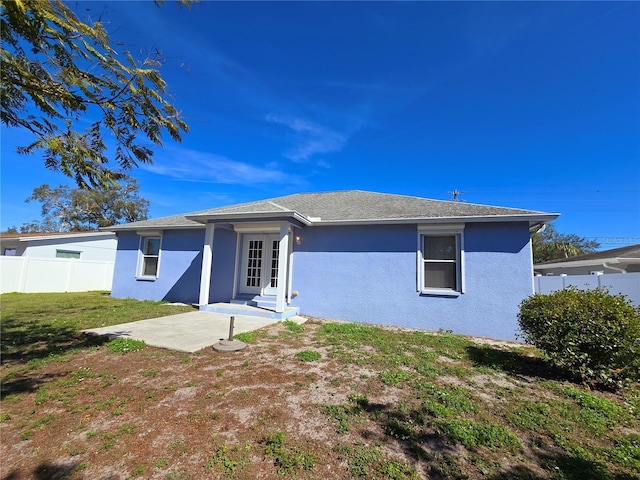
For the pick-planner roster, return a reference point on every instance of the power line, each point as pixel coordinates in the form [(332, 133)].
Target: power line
[(544, 192)]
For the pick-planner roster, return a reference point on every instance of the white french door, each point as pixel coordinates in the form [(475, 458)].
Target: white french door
[(259, 275)]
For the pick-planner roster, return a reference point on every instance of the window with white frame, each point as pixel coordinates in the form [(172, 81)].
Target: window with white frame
[(440, 269), (149, 256), (67, 254)]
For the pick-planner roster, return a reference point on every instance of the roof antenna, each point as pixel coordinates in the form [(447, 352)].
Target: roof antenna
[(456, 194)]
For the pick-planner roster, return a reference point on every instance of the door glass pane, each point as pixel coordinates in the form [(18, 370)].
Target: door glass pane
[(254, 263), (440, 275), (275, 250)]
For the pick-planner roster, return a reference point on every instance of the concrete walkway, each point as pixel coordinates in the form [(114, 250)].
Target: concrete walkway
[(185, 332)]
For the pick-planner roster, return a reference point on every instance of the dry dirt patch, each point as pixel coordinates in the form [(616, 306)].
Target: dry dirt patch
[(166, 415), (161, 414)]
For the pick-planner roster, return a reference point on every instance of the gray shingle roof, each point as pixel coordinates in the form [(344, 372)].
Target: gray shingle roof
[(174, 221), (342, 206)]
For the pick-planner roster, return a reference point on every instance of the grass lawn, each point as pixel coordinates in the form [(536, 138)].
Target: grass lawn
[(319, 401)]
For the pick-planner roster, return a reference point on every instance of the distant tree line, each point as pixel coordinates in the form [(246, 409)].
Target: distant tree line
[(549, 244), (66, 209)]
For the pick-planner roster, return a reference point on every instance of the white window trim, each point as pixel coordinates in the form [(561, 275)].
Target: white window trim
[(450, 229), (140, 262)]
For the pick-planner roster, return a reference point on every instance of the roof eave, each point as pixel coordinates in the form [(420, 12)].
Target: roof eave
[(203, 219), (70, 235), (533, 219), (588, 263), (131, 227), (230, 217)]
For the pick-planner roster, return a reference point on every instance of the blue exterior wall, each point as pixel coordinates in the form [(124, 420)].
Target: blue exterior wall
[(368, 274), (358, 273), (179, 268), (222, 266)]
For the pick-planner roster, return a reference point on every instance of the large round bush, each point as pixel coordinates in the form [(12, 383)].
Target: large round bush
[(592, 333)]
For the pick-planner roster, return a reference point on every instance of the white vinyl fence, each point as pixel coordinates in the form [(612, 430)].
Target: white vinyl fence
[(33, 274), (625, 283)]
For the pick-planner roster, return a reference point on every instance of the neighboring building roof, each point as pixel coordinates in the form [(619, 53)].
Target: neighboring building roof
[(632, 251), (349, 206), (26, 237), (608, 258)]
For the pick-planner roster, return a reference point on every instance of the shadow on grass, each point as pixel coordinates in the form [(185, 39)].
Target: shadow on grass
[(47, 471), (515, 363), (24, 385), (431, 449), (22, 343), (565, 467), (440, 457)]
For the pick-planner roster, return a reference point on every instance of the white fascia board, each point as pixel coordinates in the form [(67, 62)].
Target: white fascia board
[(629, 260), (532, 219), (70, 235), (588, 263), (310, 221), (155, 228)]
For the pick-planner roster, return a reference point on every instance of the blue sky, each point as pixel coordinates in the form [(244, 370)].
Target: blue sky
[(527, 104)]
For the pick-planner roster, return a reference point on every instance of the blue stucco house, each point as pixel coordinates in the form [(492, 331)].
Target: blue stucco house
[(346, 255)]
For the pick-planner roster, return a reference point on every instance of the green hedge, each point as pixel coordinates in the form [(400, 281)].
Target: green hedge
[(591, 333)]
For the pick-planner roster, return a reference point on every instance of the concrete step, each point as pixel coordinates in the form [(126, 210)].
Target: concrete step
[(268, 303), (250, 311)]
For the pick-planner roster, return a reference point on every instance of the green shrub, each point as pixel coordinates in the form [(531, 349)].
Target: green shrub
[(591, 333)]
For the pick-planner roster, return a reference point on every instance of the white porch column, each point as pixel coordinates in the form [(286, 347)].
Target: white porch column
[(207, 256), (283, 256)]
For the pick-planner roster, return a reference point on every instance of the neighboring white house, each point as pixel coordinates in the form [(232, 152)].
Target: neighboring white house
[(617, 260), (617, 270), (57, 262), (97, 246)]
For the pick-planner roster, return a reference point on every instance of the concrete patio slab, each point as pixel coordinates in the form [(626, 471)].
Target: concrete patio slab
[(186, 332)]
